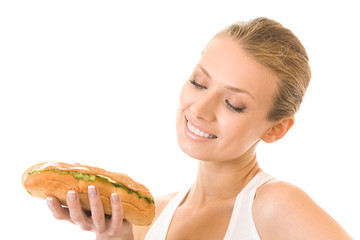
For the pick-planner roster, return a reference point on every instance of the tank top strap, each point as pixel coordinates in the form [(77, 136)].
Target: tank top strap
[(159, 229), (241, 225)]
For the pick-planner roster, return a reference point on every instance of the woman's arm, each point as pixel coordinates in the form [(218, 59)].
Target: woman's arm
[(283, 211)]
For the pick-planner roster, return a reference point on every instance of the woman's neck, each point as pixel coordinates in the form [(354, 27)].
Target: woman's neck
[(222, 180)]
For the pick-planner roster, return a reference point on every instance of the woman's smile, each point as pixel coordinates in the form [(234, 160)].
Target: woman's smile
[(196, 132)]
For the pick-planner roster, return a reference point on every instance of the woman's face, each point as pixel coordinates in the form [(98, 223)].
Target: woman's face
[(224, 104)]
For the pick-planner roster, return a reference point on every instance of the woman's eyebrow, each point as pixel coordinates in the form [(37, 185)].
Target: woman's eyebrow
[(231, 88), (239, 90), (204, 71)]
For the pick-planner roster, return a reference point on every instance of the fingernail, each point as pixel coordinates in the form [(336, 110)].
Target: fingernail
[(92, 191), (71, 195), (49, 202), (114, 198)]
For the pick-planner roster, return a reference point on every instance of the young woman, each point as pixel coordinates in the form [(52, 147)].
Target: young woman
[(246, 88)]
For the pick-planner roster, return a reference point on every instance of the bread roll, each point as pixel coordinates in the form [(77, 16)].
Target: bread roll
[(56, 179)]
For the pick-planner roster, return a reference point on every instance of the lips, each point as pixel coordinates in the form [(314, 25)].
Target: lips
[(198, 132)]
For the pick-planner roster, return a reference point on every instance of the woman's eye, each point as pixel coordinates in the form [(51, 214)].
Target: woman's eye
[(193, 82), (233, 108)]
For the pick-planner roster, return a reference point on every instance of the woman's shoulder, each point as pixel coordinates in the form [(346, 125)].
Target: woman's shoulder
[(284, 211), (160, 203), (275, 191)]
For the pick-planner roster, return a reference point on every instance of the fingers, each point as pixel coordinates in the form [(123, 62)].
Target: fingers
[(117, 224), (117, 211), (97, 211), (76, 213), (57, 210)]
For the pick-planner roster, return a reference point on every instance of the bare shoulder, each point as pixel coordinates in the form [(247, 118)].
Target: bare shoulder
[(284, 211), (160, 203)]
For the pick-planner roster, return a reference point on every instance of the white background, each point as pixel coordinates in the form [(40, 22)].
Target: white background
[(97, 82)]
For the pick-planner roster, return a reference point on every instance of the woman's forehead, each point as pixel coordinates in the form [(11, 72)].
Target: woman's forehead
[(226, 62)]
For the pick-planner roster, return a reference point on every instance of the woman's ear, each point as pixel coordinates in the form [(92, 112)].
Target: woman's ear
[(279, 129)]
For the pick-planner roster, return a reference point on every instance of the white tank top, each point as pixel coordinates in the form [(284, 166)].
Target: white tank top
[(241, 225)]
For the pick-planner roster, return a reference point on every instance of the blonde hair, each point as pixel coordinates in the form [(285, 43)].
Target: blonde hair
[(280, 50)]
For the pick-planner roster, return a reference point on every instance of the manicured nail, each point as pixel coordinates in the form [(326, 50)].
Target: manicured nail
[(49, 201), (114, 198), (71, 195), (91, 191)]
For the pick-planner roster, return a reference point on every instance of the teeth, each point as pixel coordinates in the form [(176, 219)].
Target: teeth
[(199, 132)]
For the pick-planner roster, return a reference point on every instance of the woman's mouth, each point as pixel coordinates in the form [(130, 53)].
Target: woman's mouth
[(198, 132)]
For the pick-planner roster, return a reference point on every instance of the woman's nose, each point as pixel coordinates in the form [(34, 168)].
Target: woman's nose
[(204, 107)]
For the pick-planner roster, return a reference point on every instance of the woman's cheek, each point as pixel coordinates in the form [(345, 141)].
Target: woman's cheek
[(185, 98)]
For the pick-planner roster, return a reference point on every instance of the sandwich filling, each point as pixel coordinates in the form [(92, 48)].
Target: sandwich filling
[(91, 177)]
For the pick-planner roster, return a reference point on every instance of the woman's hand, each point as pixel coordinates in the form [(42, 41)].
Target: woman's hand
[(105, 228)]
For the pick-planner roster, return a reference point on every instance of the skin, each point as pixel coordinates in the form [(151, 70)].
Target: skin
[(225, 79), (105, 229)]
